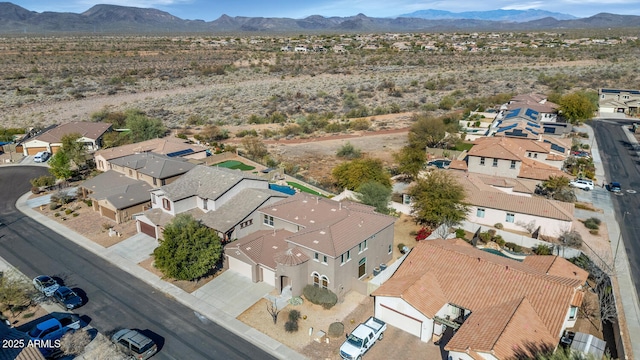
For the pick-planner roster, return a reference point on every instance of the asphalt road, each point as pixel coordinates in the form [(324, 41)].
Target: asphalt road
[(115, 298), (622, 164)]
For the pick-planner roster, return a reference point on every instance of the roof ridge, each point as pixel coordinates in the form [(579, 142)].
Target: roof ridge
[(513, 312)]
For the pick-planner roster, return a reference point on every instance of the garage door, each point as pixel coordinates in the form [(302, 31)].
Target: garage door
[(108, 213), (147, 229), (399, 320), (35, 150), (268, 276), (240, 267)]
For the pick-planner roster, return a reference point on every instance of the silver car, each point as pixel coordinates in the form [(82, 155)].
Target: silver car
[(45, 284)]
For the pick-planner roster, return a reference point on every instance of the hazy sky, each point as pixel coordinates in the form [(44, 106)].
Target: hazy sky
[(212, 9)]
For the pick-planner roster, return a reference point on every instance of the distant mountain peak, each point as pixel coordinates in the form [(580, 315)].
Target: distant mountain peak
[(492, 15)]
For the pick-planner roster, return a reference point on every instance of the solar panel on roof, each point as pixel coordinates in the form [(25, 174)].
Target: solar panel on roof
[(512, 113), (533, 124), (180, 153), (508, 127), (530, 113)]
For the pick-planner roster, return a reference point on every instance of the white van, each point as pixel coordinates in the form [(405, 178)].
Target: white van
[(40, 157)]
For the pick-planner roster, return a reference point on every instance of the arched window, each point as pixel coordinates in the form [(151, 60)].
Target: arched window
[(316, 279), (324, 282)]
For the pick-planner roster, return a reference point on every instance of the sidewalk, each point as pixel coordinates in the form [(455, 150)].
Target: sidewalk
[(627, 291), (201, 305)]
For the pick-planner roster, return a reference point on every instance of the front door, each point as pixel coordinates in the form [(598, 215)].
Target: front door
[(284, 282), (362, 267)]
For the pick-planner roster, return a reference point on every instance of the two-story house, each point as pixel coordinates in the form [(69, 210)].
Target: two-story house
[(123, 191), (484, 305), (619, 101), (306, 239), (223, 199), (515, 158)]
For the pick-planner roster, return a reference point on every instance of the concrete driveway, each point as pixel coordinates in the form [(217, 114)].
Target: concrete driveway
[(232, 293)]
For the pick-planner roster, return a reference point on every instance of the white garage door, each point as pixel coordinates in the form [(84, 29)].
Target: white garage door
[(605, 109), (240, 267), (401, 321), (268, 277)]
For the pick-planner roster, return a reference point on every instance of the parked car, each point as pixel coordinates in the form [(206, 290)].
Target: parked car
[(362, 338), (582, 154), (583, 184), (615, 187), (67, 298), (41, 157), (45, 284), (55, 328), (135, 344)]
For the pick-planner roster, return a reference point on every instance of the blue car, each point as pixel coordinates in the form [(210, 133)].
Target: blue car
[(67, 298), (615, 187)]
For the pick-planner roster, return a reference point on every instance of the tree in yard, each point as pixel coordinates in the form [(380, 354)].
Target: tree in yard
[(350, 175), (255, 148), (212, 133), (411, 160), (557, 188), (189, 250), (429, 131), (60, 165), (15, 292), (75, 150), (376, 195), (438, 199), (141, 127), (272, 309), (578, 106)]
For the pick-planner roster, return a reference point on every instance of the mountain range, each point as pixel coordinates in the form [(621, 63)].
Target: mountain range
[(113, 19)]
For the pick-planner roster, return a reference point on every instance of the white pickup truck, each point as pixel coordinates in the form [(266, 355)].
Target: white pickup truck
[(362, 338)]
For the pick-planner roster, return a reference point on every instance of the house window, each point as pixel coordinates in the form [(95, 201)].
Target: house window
[(316, 257), (513, 164), (362, 267), (324, 259), (365, 244), (482, 161), (510, 217), (529, 154), (153, 198), (535, 156), (390, 248), (166, 204), (324, 282), (342, 258), (480, 213), (573, 312), (316, 279), (406, 199), (348, 255), (268, 220), (495, 162), (130, 172), (155, 182), (246, 223), (204, 204)]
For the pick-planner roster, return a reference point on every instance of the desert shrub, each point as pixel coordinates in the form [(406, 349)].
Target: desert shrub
[(485, 236), (401, 247), (593, 231), (243, 133), (460, 233), (542, 249), (294, 315), (88, 202), (592, 223), (75, 214), (423, 234), (44, 180), (360, 124), (571, 238), (499, 240), (499, 226), (54, 206), (61, 197), (35, 190), (68, 211), (513, 247), (320, 296), (336, 329), (56, 214), (291, 326), (348, 151)]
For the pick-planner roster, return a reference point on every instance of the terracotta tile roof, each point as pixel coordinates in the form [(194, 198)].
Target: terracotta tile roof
[(261, 246), (90, 130), (555, 265), (482, 195), (291, 257), (531, 169), (509, 299), (507, 148), (556, 157), (458, 165), (517, 185), (327, 226)]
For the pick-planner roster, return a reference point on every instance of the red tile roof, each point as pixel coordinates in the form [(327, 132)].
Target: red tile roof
[(510, 301)]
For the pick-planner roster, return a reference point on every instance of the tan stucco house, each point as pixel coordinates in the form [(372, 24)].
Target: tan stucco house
[(306, 239), (51, 140)]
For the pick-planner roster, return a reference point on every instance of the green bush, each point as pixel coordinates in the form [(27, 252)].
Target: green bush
[(401, 246), (499, 226), (88, 202), (68, 211), (499, 240), (336, 329), (320, 296), (291, 326), (75, 214), (294, 315), (592, 223), (56, 214), (460, 233), (53, 206), (513, 247), (542, 250)]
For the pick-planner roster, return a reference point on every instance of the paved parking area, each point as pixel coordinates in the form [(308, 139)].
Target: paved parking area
[(136, 248)]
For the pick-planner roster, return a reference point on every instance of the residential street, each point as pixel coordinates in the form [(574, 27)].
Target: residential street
[(116, 299)]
